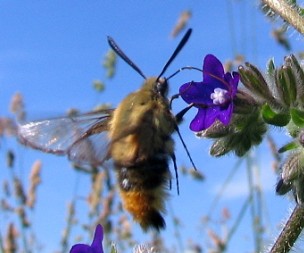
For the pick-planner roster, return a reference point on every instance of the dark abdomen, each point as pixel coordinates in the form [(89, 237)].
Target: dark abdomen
[(143, 188)]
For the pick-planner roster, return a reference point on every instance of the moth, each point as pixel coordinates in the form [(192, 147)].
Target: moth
[(137, 136)]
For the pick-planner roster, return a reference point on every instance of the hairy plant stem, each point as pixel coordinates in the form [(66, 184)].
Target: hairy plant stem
[(287, 12), (290, 232)]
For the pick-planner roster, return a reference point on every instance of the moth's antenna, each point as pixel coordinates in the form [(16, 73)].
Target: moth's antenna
[(176, 51), (123, 56), (183, 68)]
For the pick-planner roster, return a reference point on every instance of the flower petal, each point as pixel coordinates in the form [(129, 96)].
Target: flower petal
[(198, 123), (97, 241), (224, 115), (203, 119), (235, 82), (96, 246), (204, 96), (212, 66), (207, 116), (232, 81), (197, 93), (81, 248)]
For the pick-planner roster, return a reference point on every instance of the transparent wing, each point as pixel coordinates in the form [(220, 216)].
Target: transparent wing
[(82, 138)]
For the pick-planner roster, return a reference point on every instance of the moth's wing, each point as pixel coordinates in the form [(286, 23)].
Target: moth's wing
[(92, 146), (82, 138)]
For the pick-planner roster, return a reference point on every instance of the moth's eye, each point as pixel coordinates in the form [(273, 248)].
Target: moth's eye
[(162, 86)]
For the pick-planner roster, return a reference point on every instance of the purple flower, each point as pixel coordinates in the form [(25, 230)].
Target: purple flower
[(213, 96), (96, 246)]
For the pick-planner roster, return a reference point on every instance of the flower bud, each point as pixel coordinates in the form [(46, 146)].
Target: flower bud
[(270, 68), (298, 190), (285, 86), (254, 81), (297, 187), (292, 176), (283, 187), (293, 168), (244, 103), (220, 147), (299, 77)]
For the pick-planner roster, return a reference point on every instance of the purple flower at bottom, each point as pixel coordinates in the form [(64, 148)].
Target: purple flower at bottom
[(96, 246), (213, 96)]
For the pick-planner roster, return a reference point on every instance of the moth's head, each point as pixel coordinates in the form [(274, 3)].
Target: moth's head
[(158, 85)]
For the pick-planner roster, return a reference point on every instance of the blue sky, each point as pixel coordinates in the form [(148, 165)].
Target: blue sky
[(51, 52)]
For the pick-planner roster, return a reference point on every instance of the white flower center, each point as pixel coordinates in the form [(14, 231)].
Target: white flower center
[(219, 96)]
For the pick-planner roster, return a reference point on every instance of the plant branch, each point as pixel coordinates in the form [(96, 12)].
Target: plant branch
[(290, 232), (287, 12)]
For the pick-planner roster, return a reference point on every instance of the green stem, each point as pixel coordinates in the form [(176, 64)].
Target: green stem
[(287, 12), (290, 232), (252, 206), (225, 184), (1, 244), (238, 219), (176, 227)]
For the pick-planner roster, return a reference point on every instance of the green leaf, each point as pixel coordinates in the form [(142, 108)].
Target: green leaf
[(273, 118), (289, 146), (297, 117), (217, 130)]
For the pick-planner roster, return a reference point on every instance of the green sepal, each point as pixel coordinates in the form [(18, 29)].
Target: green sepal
[(297, 117), (273, 118), (217, 130), (245, 132)]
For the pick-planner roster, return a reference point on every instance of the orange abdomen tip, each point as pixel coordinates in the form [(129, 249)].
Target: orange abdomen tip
[(146, 207)]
